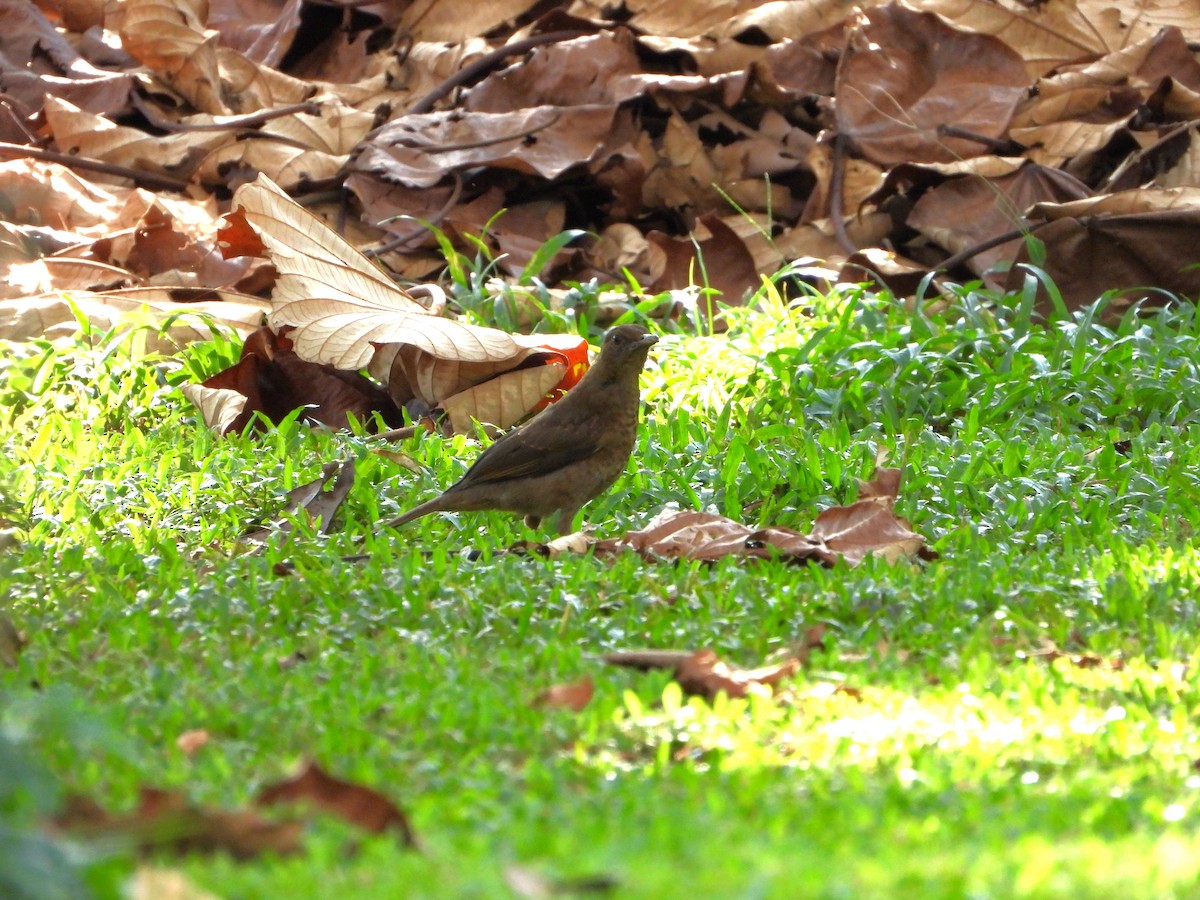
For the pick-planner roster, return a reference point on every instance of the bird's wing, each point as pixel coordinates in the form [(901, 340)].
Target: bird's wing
[(545, 445)]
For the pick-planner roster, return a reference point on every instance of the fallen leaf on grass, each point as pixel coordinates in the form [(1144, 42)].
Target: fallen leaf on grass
[(191, 741), (703, 674), (156, 883), (166, 820), (850, 534), (272, 380), (573, 696), (358, 805), (1050, 651), (531, 885), (647, 660), (320, 504)]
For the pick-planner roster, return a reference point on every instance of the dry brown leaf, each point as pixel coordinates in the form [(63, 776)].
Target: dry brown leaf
[(319, 504), (191, 741), (167, 821), (354, 803), (274, 381), (156, 883), (12, 642), (705, 675), (260, 30), (574, 696), (541, 140), (905, 74)]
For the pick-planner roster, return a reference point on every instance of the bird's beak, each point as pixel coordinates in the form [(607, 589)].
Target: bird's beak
[(649, 339)]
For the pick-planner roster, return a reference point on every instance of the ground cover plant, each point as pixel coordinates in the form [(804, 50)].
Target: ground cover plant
[(1013, 719)]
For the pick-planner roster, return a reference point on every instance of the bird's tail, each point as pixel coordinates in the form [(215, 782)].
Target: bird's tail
[(415, 513)]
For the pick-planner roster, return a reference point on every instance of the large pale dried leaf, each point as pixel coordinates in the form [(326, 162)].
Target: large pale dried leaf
[(220, 408), (669, 17), (904, 74), (336, 129), (1047, 35), (411, 373), (169, 37), (1056, 143), (338, 303), (286, 165), (1112, 87), (782, 19), (1182, 199), (433, 20), (51, 195)]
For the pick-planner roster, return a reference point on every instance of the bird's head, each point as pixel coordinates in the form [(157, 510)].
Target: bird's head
[(627, 342)]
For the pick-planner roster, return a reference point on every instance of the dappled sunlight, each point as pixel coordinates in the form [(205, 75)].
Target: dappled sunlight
[(1072, 719)]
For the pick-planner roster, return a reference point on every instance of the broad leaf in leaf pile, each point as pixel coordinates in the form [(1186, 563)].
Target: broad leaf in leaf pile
[(905, 73)]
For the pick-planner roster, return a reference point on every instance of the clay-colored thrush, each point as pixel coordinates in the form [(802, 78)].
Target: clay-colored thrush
[(569, 453)]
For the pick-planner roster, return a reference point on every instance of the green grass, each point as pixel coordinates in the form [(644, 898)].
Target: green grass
[(1054, 467)]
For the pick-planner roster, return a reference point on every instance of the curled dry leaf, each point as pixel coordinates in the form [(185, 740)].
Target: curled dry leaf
[(358, 805)]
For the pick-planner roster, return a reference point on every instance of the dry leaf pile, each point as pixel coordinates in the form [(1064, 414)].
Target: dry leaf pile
[(696, 142)]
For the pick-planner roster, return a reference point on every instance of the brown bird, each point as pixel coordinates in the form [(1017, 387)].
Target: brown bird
[(569, 453)]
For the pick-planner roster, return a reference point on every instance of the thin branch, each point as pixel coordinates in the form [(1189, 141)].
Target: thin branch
[(228, 123), (148, 179), (837, 180)]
